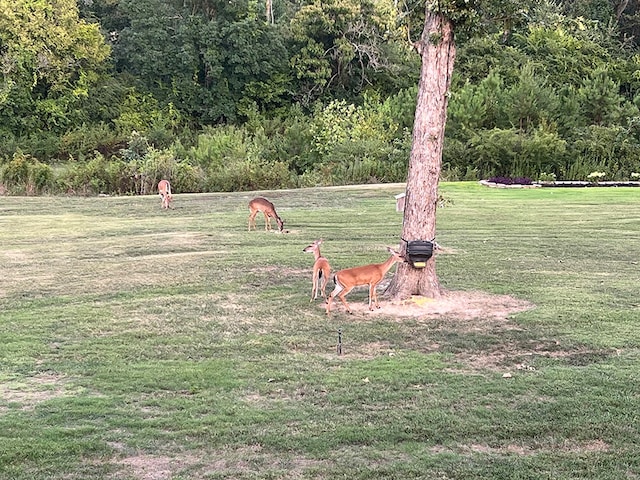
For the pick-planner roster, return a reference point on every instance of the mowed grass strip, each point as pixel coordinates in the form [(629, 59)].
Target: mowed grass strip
[(137, 343)]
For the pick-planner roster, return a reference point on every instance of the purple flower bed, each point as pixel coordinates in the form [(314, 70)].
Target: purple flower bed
[(511, 181)]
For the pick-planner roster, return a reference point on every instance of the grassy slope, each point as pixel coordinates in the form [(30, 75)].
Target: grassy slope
[(140, 343)]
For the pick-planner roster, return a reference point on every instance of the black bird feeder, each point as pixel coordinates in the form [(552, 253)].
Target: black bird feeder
[(418, 252)]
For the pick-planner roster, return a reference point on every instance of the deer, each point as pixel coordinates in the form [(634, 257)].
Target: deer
[(321, 270), (261, 204), (164, 190), (371, 275)]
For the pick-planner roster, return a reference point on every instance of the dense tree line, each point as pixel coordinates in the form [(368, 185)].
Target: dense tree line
[(112, 95)]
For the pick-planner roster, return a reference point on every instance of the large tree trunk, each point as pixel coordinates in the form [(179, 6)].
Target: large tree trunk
[(437, 49)]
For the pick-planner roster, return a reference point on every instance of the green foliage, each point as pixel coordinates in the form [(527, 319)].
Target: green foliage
[(362, 161), (285, 137), (600, 148), (142, 113), (138, 172), (529, 102), (481, 56), (50, 59), (80, 142), (339, 123), (475, 107), (563, 52), (601, 10), (214, 96), (254, 61), (339, 44), (91, 177), (216, 147), (601, 101), (311, 70), (187, 178), (233, 160), (399, 109), (515, 153), (356, 144), (210, 69), (24, 174), (249, 175)]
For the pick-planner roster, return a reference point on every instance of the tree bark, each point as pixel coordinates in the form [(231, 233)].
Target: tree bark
[(437, 49), (622, 6), (269, 12)]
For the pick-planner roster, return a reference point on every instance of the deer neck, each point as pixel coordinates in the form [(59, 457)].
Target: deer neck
[(386, 266)]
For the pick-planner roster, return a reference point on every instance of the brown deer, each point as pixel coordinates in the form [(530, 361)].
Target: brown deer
[(371, 275), (261, 204), (164, 190), (321, 270)]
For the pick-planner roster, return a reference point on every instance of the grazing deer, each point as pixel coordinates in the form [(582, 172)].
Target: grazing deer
[(164, 190), (260, 204), (371, 275), (321, 270)]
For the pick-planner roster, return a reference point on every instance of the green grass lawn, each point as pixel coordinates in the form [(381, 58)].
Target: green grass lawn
[(138, 343)]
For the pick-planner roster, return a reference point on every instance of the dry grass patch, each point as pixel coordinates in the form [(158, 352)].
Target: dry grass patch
[(229, 462), (154, 467), (591, 446), (30, 391)]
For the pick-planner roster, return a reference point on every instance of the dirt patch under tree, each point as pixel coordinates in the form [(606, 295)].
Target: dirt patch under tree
[(461, 305)]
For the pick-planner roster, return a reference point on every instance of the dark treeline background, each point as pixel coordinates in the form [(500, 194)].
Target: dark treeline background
[(109, 96)]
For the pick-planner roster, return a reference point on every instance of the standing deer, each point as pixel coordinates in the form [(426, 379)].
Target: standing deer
[(261, 204), (164, 190), (321, 270), (371, 275)]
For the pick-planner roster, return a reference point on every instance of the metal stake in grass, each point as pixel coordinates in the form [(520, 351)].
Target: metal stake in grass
[(339, 346)]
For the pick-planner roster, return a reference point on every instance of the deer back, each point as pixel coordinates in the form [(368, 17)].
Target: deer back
[(368, 274), (361, 275), (164, 187), (261, 204)]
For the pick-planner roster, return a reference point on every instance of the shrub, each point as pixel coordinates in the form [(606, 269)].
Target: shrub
[(248, 175), (81, 142), (611, 149), (517, 154), (88, 178), (511, 181), (547, 177), (26, 175), (187, 178)]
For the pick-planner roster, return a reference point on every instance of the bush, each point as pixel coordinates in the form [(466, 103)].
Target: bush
[(511, 181), (597, 148), (516, 154), (81, 142), (26, 175), (187, 178), (91, 177), (248, 175)]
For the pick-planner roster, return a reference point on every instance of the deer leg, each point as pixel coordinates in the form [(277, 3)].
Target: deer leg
[(336, 290), (341, 296), (373, 296), (324, 280), (314, 288)]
